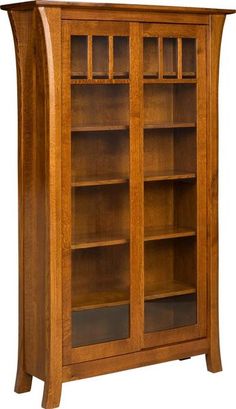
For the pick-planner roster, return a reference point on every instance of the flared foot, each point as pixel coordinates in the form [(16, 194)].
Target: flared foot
[(51, 395), (23, 381), (213, 360)]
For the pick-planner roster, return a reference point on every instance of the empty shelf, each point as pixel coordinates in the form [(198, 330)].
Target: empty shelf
[(151, 234), (120, 178), (168, 289), (101, 180), (100, 299), (99, 74), (162, 125), (94, 127), (100, 240), (120, 127), (168, 175), (167, 232)]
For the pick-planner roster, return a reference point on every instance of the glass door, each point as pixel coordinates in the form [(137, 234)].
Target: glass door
[(174, 83), (98, 299)]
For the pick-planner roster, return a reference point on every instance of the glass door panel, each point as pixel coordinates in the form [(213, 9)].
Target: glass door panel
[(189, 57), (150, 57), (97, 237), (172, 286), (100, 192), (170, 57)]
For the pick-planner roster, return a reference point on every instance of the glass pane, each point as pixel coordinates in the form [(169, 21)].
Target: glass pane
[(79, 56), (170, 313), (100, 325), (150, 57), (100, 57), (189, 57), (170, 263), (121, 57), (170, 55), (100, 261)]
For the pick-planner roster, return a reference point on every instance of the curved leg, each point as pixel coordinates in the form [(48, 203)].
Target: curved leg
[(213, 359), (51, 394), (23, 380)]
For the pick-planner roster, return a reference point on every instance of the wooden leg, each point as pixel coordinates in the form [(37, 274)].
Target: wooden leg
[(23, 380), (51, 395), (213, 359)]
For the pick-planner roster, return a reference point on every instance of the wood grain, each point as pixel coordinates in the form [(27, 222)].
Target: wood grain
[(136, 184), (118, 208), (50, 24), (213, 358), (135, 360), (128, 7), (180, 59), (111, 57), (22, 26), (110, 298)]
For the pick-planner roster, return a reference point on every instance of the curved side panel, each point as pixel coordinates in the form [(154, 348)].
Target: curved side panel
[(215, 34), (48, 46), (22, 28), (38, 55)]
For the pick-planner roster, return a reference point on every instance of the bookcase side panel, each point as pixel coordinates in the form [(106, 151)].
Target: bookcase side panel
[(31, 207), (216, 26)]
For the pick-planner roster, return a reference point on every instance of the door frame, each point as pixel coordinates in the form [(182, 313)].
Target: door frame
[(199, 329), (134, 342)]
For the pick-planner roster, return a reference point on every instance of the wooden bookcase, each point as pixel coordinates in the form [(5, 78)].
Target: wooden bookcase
[(117, 188)]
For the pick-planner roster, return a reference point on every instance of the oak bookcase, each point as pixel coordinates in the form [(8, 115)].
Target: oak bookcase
[(117, 188)]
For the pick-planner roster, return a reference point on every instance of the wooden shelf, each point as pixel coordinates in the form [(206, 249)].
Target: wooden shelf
[(168, 289), (99, 81), (151, 234), (101, 299), (168, 175), (100, 240), (120, 127), (156, 74), (97, 128), (100, 77), (168, 74), (164, 125), (117, 179), (101, 180), (99, 74), (167, 232), (184, 80), (188, 74)]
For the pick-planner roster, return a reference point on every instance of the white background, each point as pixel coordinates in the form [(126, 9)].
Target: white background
[(179, 385)]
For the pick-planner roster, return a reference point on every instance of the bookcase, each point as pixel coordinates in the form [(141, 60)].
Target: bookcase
[(118, 131)]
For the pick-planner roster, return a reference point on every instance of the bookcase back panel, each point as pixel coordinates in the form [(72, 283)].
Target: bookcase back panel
[(100, 105), (169, 103), (99, 155), (169, 150), (101, 268), (170, 203), (96, 213)]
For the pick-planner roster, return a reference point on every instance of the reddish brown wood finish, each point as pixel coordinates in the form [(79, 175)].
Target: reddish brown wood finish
[(39, 201), (42, 33), (25, 103), (214, 41)]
